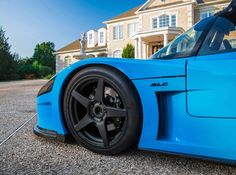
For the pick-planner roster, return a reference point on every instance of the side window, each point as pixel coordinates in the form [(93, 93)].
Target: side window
[(186, 44), (161, 53), (221, 38)]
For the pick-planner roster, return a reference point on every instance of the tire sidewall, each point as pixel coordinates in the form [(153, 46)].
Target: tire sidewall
[(129, 96)]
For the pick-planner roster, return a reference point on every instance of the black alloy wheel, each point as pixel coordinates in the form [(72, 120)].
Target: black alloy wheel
[(102, 110)]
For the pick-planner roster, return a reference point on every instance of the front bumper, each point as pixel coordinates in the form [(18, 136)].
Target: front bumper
[(53, 135)]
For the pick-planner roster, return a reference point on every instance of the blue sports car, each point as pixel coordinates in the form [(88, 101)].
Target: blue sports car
[(182, 101)]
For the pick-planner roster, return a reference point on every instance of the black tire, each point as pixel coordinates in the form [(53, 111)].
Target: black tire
[(102, 110)]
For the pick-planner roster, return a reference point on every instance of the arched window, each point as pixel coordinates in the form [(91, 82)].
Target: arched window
[(164, 21), (67, 61), (117, 54)]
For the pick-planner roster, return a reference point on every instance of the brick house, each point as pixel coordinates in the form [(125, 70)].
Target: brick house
[(148, 28)]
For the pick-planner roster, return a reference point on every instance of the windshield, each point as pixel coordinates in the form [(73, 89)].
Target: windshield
[(184, 44)]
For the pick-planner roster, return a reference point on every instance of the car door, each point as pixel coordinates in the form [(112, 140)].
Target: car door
[(211, 77)]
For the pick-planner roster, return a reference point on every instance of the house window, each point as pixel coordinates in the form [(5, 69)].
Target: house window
[(132, 29), (90, 39), (118, 32), (154, 23), (173, 20), (101, 37), (164, 21), (117, 54), (207, 13), (67, 61)]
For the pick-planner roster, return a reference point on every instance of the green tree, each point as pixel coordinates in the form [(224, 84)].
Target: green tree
[(25, 68), (43, 54), (128, 51), (7, 60)]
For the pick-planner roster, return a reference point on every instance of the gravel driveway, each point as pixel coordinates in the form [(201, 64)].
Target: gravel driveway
[(25, 153)]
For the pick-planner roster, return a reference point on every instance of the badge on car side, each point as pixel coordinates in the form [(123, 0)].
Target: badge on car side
[(159, 84)]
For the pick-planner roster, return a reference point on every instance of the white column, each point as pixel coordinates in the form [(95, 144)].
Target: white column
[(136, 47), (140, 47), (165, 39), (144, 51)]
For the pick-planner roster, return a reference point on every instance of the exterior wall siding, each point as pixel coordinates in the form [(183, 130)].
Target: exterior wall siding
[(114, 45), (180, 12)]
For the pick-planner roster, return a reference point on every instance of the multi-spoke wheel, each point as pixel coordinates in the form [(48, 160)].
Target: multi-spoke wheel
[(102, 111)]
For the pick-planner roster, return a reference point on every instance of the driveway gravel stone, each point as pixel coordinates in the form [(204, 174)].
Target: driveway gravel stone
[(17, 104), (26, 153)]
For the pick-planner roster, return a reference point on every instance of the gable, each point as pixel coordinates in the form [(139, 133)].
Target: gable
[(126, 14), (160, 3)]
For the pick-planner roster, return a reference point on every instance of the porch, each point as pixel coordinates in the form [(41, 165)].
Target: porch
[(148, 43)]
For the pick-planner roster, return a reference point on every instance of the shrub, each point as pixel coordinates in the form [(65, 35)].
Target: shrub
[(25, 71), (40, 70), (128, 51)]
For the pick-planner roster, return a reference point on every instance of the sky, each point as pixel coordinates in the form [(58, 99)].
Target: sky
[(29, 22)]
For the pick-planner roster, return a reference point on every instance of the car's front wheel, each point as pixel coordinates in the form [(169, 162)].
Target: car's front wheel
[(102, 110)]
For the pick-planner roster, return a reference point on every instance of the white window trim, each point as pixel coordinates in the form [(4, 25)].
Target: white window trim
[(119, 38), (90, 40), (67, 60), (99, 38), (136, 29), (154, 17), (176, 14), (93, 39), (119, 49), (206, 9), (165, 14), (158, 21)]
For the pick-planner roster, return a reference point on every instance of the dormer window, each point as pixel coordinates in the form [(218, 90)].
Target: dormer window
[(90, 39), (102, 37)]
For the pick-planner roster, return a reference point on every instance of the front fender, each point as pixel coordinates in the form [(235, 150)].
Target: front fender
[(49, 105), (136, 69)]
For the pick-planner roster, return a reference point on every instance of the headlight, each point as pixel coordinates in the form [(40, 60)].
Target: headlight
[(47, 87)]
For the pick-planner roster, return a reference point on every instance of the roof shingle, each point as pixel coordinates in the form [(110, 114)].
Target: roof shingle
[(72, 46), (76, 46), (129, 13)]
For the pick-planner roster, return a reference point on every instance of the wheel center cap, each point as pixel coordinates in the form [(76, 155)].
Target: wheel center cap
[(98, 111)]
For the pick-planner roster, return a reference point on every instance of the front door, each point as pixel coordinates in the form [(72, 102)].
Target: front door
[(156, 48), (211, 86), (211, 79)]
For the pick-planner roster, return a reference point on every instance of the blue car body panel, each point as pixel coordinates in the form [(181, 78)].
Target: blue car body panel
[(49, 104), (188, 104), (212, 77), (188, 123)]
